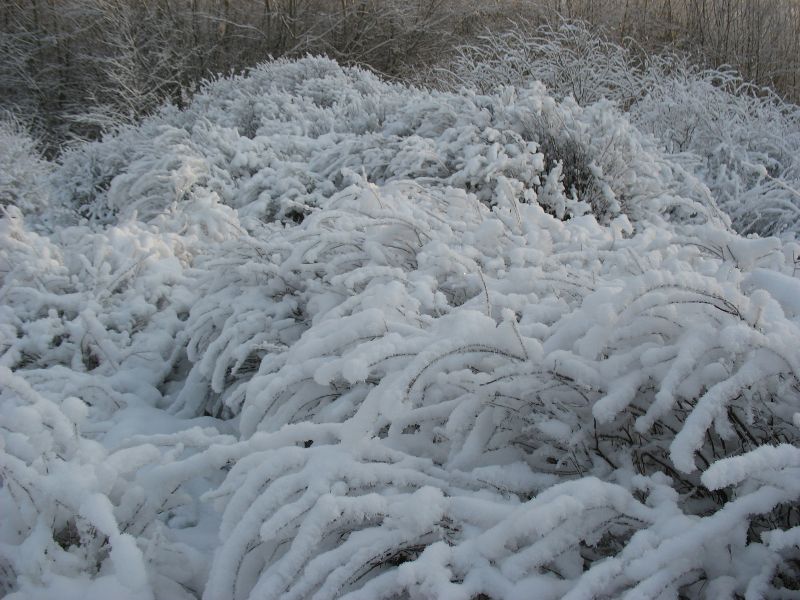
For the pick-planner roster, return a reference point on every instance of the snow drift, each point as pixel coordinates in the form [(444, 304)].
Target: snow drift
[(321, 336)]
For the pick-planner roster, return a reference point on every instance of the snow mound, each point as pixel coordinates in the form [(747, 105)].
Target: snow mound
[(320, 336)]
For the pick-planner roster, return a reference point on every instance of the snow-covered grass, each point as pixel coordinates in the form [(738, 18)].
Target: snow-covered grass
[(321, 336)]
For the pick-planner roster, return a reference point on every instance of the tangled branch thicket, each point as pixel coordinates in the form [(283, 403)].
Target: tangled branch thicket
[(322, 336)]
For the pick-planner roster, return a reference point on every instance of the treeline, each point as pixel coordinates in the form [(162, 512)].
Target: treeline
[(760, 38), (70, 68)]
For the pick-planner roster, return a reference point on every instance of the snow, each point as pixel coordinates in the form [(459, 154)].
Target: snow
[(391, 343), (733, 470), (784, 289)]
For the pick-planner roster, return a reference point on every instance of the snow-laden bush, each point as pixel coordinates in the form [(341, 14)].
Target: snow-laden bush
[(87, 337), (741, 140), (507, 361), (278, 143), (320, 336), (23, 171)]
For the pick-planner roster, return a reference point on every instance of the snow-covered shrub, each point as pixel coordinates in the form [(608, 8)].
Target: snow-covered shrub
[(561, 367), (320, 336), (277, 143), (23, 171), (570, 57), (741, 140), (88, 328)]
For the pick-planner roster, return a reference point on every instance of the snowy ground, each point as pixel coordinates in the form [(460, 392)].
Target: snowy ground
[(320, 336)]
